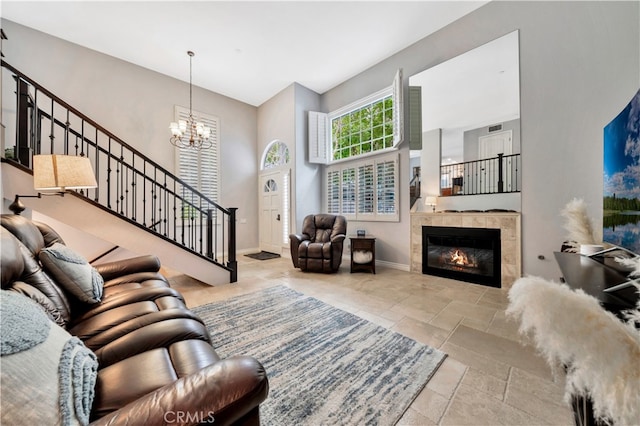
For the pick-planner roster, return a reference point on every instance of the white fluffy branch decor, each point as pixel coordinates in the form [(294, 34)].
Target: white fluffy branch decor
[(601, 352), (631, 262), (578, 224)]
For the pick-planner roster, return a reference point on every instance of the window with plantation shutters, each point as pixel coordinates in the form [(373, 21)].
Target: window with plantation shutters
[(364, 190), (386, 187), (348, 191), (199, 168), (333, 192)]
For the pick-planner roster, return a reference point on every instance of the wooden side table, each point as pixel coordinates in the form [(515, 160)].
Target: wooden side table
[(363, 254)]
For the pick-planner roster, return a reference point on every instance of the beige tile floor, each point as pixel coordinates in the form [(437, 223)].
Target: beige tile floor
[(491, 376)]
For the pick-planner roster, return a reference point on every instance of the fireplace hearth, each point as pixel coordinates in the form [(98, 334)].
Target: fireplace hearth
[(466, 254)]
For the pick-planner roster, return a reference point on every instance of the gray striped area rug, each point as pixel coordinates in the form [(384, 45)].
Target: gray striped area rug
[(325, 366)]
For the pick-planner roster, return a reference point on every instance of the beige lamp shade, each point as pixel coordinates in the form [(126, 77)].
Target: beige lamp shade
[(430, 200), (62, 172)]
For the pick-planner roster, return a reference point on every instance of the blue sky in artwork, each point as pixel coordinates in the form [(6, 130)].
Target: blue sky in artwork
[(622, 152)]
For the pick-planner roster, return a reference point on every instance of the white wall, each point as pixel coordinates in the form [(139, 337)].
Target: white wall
[(580, 64), (137, 104)]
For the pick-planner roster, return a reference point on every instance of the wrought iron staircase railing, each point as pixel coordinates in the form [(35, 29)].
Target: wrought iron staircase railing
[(130, 185), (501, 174)]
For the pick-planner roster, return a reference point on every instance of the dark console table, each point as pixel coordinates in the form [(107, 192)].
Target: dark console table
[(594, 275)]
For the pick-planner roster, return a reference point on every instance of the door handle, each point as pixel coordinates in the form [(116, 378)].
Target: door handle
[(278, 217)]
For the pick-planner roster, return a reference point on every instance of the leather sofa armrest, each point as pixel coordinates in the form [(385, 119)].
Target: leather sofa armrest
[(298, 238), (118, 268), (227, 391), (294, 242), (338, 238)]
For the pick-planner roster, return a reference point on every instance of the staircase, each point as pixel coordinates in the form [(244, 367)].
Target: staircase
[(131, 186)]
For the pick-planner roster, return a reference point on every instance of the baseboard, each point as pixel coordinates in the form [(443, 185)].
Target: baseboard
[(393, 265), (247, 251)]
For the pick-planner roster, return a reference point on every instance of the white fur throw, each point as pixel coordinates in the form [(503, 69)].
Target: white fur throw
[(601, 352)]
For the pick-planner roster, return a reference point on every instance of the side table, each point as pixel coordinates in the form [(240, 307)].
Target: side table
[(363, 254)]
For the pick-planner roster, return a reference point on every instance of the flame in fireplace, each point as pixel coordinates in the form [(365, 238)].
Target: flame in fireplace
[(460, 258)]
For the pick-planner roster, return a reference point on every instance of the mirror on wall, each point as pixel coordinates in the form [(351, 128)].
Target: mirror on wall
[(470, 118)]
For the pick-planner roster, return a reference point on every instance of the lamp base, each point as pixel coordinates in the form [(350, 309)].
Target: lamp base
[(17, 206)]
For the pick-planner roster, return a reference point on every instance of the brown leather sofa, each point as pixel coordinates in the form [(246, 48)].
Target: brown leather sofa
[(319, 247), (154, 355)]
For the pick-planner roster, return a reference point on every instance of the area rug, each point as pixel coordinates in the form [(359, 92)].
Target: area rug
[(263, 255), (325, 365)]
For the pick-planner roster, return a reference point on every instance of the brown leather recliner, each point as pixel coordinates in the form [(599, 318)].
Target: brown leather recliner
[(154, 355), (319, 247)]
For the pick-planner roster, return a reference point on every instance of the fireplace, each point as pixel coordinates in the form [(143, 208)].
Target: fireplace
[(466, 254)]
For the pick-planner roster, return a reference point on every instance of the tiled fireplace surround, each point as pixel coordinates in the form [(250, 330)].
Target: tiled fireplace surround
[(510, 237)]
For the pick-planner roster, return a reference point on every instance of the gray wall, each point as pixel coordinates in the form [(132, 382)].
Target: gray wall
[(284, 118), (137, 104), (308, 198), (580, 64)]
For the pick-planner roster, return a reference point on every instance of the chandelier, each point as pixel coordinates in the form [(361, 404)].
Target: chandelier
[(190, 133)]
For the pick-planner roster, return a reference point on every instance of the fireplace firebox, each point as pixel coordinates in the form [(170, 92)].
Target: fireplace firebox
[(466, 254)]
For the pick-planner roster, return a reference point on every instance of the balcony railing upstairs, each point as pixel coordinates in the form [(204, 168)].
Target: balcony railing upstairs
[(501, 174), (130, 185)]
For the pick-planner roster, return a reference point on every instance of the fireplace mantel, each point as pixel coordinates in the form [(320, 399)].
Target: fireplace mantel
[(507, 222)]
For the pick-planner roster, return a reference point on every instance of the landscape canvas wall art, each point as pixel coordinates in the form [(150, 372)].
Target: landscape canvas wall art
[(621, 204)]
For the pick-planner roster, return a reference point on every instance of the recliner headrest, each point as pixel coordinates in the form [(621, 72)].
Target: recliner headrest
[(25, 231), (11, 260)]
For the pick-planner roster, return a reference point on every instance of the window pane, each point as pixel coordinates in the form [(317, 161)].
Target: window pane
[(277, 155), (385, 183), (333, 192), (352, 134), (349, 191), (365, 189)]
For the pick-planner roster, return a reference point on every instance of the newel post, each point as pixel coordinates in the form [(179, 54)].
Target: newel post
[(500, 174), (233, 263)]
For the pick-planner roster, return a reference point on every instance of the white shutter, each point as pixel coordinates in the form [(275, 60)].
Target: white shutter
[(333, 191), (366, 189), (415, 117), (387, 187), (349, 191), (286, 209), (199, 168), (398, 109), (318, 137)]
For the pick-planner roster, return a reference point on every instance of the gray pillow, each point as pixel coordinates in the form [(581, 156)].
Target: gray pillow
[(72, 272)]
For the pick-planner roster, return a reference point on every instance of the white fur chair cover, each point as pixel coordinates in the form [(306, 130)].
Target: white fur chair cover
[(601, 352)]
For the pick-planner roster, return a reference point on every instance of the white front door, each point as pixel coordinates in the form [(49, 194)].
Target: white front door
[(490, 146), (271, 212)]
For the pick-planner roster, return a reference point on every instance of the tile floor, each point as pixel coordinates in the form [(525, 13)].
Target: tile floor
[(491, 376)]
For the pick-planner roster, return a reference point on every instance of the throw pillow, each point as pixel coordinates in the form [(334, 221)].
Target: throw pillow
[(72, 272), (47, 376)]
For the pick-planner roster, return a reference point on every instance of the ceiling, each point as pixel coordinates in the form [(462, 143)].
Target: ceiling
[(479, 87), (246, 50)]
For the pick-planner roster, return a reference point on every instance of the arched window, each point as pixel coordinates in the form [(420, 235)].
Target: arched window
[(276, 154)]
